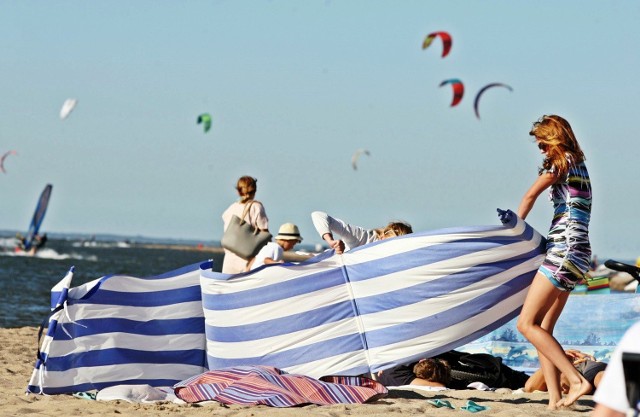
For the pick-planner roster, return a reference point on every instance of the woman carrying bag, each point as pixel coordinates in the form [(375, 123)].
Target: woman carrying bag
[(255, 215)]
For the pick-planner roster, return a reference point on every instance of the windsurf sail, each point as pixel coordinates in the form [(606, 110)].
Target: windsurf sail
[(38, 217)]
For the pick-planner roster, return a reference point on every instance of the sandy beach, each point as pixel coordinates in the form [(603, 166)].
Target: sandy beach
[(18, 350)]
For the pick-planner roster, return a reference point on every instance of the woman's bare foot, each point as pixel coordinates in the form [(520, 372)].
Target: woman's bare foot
[(575, 391), (553, 401)]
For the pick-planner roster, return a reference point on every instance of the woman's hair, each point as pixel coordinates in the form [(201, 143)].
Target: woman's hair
[(246, 188), (394, 229), (556, 135), (434, 370)]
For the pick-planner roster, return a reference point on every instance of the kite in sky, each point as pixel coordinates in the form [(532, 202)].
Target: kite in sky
[(446, 41), (458, 89), (205, 120), (476, 102), (356, 156), (68, 105), (3, 158)]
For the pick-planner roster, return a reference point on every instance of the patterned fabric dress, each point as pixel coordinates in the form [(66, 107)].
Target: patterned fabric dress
[(568, 247)]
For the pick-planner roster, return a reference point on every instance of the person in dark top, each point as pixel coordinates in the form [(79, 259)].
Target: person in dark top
[(465, 368), (587, 365)]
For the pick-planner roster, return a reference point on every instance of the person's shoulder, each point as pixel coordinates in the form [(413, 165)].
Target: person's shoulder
[(233, 205)]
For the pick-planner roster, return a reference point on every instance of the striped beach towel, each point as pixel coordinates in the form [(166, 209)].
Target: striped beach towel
[(266, 385)]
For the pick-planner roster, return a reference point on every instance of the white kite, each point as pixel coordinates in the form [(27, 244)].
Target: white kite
[(356, 155), (68, 105)]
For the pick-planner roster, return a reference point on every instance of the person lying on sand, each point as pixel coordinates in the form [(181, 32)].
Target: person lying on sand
[(464, 369), (587, 365)]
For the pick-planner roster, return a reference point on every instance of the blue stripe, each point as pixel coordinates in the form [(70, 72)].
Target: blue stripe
[(276, 327), (302, 285), (172, 274), (143, 299), (295, 356), (51, 330), (429, 324), (122, 356), (59, 297), (89, 327), (433, 289), (449, 346), (421, 257), (431, 254)]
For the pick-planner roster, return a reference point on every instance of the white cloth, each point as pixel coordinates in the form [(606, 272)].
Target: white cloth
[(418, 387), (138, 394), (352, 236), (270, 250), (257, 217), (611, 391)]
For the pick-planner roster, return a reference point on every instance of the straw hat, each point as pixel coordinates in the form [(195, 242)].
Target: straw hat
[(289, 231)]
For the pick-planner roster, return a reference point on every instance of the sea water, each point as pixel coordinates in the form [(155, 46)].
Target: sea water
[(26, 281)]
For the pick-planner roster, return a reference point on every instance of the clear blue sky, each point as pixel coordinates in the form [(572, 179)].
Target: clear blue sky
[(294, 88)]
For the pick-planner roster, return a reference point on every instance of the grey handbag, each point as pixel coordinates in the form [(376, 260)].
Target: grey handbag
[(242, 238)]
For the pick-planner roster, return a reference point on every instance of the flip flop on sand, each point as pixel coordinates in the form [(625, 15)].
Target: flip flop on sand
[(85, 395), (473, 407), (441, 403)]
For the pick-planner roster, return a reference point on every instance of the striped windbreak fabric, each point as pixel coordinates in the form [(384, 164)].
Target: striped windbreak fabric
[(379, 305), (382, 304)]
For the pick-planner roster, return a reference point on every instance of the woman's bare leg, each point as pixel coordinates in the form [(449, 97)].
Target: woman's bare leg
[(539, 303), (549, 370)]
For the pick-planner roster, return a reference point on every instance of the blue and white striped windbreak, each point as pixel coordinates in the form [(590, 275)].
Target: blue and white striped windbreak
[(379, 305), (376, 306), (122, 330)]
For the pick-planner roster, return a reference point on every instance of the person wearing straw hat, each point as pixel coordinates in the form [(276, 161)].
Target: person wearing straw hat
[(288, 236)]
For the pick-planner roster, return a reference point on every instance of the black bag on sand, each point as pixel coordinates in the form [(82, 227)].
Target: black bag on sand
[(242, 238), (481, 367)]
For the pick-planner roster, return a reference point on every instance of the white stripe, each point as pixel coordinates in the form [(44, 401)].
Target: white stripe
[(301, 338), (332, 365), (108, 373), (134, 284), (102, 341), (164, 312)]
